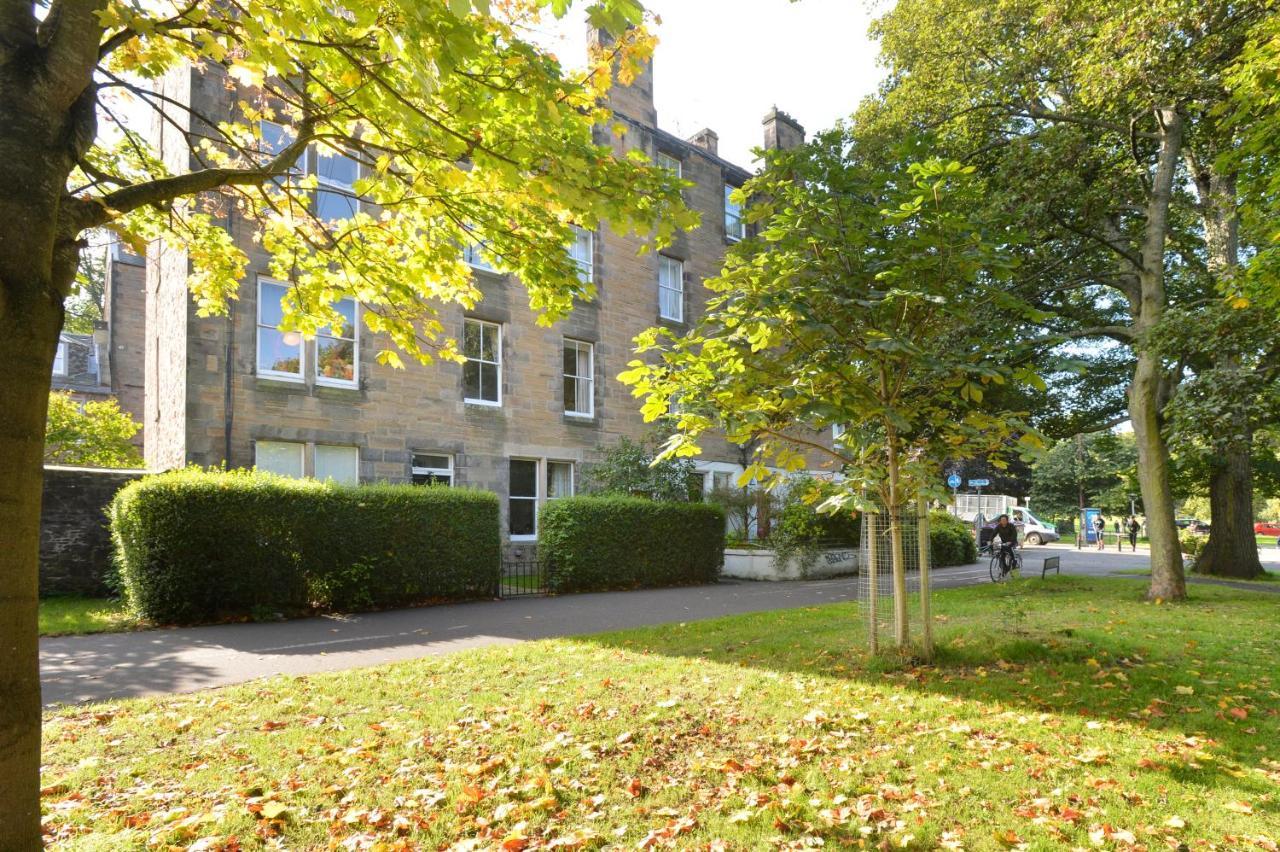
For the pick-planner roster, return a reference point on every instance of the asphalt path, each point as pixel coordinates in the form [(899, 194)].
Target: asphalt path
[(76, 669)]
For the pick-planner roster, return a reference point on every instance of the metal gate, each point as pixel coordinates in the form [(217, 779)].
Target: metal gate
[(524, 577)]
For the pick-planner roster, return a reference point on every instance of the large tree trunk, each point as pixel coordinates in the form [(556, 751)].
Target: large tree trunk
[(38, 146), (26, 348), (1231, 550), (1146, 393)]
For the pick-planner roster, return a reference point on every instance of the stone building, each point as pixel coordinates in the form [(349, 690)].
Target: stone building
[(521, 418)]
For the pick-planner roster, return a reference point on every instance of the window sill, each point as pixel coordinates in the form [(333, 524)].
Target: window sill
[(523, 538), (579, 419), (482, 405), (277, 383), (672, 323), (347, 392)]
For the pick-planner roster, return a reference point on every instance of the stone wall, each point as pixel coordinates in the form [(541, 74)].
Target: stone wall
[(75, 547)]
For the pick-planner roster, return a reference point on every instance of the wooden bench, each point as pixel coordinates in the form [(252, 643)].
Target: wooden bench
[(1051, 563)]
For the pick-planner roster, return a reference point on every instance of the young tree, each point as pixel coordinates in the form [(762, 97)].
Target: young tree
[(96, 434), (1091, 120), (870, 299), (464, 132)]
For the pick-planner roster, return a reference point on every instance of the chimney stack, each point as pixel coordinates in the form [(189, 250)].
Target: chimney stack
[(707, 140), (634, 101), (781, 131)]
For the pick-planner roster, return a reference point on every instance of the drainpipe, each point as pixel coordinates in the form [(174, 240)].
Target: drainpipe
[(227, 397)]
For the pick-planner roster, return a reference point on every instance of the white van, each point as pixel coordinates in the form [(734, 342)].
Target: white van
[(1034, 531)]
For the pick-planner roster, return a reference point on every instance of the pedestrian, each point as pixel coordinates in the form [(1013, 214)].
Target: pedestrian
[(1100, 530), (1134, 526)]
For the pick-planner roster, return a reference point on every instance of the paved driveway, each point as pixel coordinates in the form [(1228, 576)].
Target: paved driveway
[(151, 662)]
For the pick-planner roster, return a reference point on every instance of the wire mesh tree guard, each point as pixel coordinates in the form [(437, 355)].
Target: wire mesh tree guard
[(893, 578)]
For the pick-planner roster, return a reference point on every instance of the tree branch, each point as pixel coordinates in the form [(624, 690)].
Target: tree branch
[(98, 211)]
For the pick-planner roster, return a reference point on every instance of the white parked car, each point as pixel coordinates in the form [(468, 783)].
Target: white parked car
[(1034, 530)]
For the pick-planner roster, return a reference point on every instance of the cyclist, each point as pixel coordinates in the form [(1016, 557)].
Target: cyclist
[(1006, 538)]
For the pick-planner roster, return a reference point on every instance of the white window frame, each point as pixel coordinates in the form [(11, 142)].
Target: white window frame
[(471, 254), (837, 430), (354, 331), (586, 267), (416, 470), (302, 455), (667, 161), (538, 491), (61, 357), (573, 470), (301, 376), (498, 363), (315, 458), (741, 230), (309, 164), (589, 379), (665, 262)]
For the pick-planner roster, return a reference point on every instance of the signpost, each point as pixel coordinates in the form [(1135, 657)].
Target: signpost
[(953, 482)]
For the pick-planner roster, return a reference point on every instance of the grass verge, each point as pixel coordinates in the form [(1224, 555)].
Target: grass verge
[(1060, 713), (70, 615), (1267, 576)]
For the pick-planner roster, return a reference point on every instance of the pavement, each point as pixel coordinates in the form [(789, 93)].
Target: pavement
[(75, 669)]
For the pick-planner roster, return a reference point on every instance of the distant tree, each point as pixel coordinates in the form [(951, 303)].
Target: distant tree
[(95, 434), (632, 468), (1097, 470), (85, 306)]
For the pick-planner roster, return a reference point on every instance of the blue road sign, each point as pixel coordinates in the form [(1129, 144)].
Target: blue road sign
[(978, 483), (953, 481)]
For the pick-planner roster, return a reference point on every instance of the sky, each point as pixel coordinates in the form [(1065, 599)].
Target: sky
[(723, 64)]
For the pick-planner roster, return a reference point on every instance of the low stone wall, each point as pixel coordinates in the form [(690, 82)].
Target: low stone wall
[(753, 564), (75, 546)]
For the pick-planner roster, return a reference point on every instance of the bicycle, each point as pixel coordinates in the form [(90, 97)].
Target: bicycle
[(1005, 560)]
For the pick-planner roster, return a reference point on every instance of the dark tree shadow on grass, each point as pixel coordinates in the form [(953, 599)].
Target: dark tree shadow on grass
[(1068, 646)]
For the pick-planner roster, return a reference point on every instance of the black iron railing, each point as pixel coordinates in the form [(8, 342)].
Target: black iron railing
[(523, 577)]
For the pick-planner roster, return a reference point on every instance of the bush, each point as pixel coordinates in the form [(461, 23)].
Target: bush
[(950, 541), (595, 543), (193, 545), (1191, 544)]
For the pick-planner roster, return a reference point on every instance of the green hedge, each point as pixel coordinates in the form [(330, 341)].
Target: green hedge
[(595, 543), (196, 545), (950, 541)]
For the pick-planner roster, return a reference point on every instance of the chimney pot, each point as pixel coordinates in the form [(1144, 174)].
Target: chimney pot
[(707, 140), (781, 131)]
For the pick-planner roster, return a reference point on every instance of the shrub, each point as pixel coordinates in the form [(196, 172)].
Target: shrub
[(950, 541), (606, 542), (193, 545), (1191, 544)]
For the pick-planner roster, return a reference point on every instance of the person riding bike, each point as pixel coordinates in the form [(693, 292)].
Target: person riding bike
[(1005, 538)]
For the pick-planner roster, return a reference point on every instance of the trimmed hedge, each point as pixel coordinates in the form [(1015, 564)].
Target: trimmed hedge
[(607, 542), (193, 546), (950, 541)]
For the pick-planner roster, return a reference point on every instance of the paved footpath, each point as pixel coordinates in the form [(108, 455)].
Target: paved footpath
[(155, 662)]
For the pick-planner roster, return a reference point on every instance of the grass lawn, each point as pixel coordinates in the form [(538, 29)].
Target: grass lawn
[(66, 615), (1060, 713), (1266, 577)]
